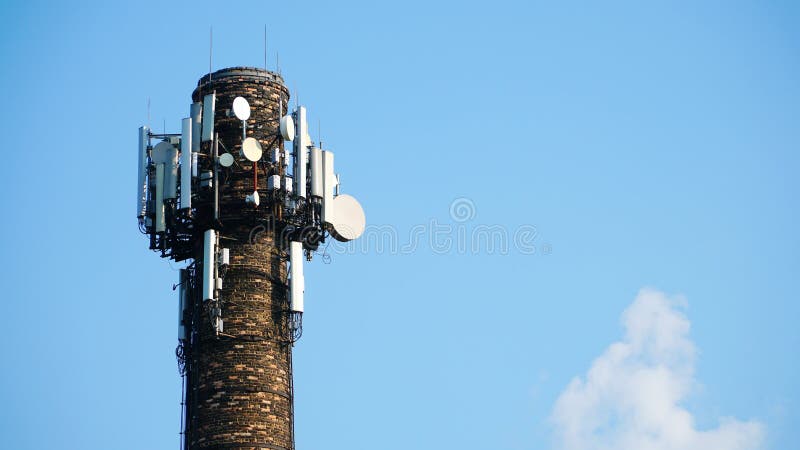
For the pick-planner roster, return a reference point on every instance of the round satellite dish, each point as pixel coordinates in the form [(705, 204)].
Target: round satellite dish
[(253, 199), (287, 128), (348, 218), (241, 108), (226, 160), (251, 149)]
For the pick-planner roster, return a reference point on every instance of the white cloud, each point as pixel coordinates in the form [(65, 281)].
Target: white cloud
[(631, 397)]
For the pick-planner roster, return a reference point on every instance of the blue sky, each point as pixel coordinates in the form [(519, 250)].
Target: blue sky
[(651, 145)]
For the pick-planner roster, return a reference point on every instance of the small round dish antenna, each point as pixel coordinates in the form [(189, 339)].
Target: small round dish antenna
[(348, 218), (253, 199), (251, 149), (287, 128), (241, 108), (226, 160)]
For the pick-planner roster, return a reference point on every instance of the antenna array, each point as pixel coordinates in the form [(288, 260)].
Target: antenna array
[(181, 177)]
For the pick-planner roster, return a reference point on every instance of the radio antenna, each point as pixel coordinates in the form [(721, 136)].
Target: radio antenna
[(210, 50), (265, 47)]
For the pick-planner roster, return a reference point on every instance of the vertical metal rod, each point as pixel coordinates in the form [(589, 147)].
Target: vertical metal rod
[(216, 177), (265, 47)]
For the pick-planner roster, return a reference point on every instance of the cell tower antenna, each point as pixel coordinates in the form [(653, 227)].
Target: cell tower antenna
[(210, 50), (200, 204), (265, 47), (278, 62), (148, 112)]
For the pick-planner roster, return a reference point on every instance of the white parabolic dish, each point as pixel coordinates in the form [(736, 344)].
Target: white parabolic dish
[(287, 128), (226, 160), (241, 108), (348, 218), (251, 149)]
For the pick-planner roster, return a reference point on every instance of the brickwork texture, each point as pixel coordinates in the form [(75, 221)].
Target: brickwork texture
[(241, 383)]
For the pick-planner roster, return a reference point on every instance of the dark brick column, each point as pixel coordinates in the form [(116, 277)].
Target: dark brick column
[(239, 391)]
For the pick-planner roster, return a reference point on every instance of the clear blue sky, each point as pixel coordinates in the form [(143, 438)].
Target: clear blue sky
[(651, 144)]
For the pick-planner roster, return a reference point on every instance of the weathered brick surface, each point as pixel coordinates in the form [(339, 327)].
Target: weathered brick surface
[(242, 383)]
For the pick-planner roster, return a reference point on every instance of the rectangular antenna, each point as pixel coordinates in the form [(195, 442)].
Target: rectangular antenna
[(186, 163), (301, 144), (160, 223), (141, 187), (328, 186), (296, 280), (316, 172), (209, 104), (183, 302), (196, 113), (171, 175), (209, 264)]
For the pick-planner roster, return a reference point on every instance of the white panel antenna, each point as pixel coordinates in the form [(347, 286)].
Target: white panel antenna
[(301, 144), (195, 162), (183, 302), (141, 187), (224, 257), (165, 157), (171, 173), (196, 113), (296, 278), (275, 155), (186, 163), (316, 172), (209, 105), (274, 182), (328, 186), (287, 156), (159, 200), (209, 264)]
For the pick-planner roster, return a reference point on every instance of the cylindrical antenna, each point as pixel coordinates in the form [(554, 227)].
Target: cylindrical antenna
[(278, 62), (210, 49)]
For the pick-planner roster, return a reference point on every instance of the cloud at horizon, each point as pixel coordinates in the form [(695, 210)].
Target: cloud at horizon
[(631, 397)]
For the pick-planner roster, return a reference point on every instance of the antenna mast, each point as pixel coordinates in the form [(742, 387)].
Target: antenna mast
[(196, 204), (210, 49)]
